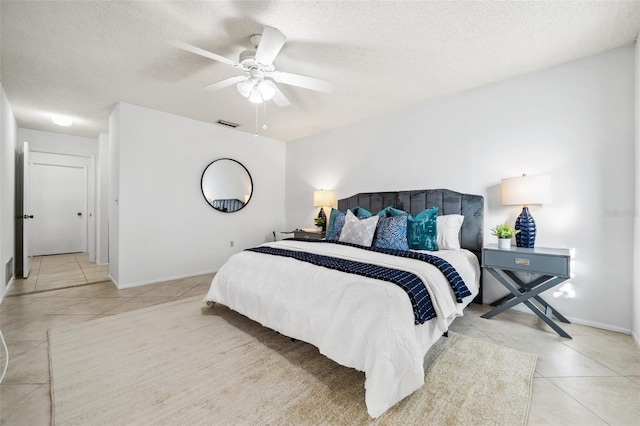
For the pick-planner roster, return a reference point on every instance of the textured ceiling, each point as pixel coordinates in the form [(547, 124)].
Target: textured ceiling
[(80, 58)]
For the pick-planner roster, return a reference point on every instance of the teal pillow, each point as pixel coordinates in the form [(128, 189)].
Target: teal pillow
[(336, 222), (391, 211), (361, 213), (422, 230)]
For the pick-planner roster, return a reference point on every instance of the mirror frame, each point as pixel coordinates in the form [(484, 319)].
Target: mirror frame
[(202, 186)]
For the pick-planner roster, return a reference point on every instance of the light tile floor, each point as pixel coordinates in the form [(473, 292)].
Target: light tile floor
[(592, 379), (59, 271)]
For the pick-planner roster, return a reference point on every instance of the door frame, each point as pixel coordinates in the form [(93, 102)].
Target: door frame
[(26, 186), (91, 190)]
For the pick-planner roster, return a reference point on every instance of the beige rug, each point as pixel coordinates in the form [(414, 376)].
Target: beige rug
[(182, 363)]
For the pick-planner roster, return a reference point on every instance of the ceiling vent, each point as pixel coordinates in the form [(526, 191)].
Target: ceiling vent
[(227, 123)]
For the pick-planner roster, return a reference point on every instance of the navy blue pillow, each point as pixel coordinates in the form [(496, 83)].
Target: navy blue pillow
[(391, 232)]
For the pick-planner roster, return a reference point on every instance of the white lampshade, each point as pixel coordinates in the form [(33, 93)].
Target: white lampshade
[(244, 87), (267, 90), (525, 190), (255, 96), (323, 198)]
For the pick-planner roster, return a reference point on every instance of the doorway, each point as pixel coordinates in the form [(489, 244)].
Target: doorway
[(59, 271), (63, 187)]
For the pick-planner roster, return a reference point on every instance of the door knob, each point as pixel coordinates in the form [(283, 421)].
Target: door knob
[(79, 214)]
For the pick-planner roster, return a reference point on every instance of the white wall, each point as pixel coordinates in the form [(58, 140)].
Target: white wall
[(636, 216), (114, 194), (102, 197), (58, 142), (574, 122), (166, 229), (8, 138)]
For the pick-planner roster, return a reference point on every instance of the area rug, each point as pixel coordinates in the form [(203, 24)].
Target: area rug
[(184, 363)]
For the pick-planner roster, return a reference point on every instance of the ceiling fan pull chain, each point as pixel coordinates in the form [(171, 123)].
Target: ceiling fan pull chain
[(256, 135), (264, 116)]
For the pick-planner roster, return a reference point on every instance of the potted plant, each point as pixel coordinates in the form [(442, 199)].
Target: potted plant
[(319, 221), (504, 233)]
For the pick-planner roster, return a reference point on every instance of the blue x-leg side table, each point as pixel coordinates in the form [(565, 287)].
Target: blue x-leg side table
[(553, 265)]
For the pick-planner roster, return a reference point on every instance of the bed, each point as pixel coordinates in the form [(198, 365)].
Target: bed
[(363, 321), (227, 205)]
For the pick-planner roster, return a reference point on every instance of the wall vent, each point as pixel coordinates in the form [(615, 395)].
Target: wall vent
[(227, 123), (9, 271)]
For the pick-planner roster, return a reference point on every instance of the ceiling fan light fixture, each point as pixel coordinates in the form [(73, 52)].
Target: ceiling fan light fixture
[(255, 96), (267, 90), (245, 87), (61, 120)]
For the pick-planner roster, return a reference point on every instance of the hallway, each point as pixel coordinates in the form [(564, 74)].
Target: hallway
[(60, 271)]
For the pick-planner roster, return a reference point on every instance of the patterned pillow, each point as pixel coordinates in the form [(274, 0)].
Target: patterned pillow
[(422, 230), (358, 231), (391, 232), (336, 222), (448, 231)]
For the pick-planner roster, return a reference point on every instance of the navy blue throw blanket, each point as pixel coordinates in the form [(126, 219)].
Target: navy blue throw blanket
[(409, 282), (458, 286)]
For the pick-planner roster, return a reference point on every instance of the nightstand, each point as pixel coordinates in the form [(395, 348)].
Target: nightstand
[(309, 235), (553, 265)]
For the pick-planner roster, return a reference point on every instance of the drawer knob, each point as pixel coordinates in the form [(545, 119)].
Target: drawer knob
[(521, 261)]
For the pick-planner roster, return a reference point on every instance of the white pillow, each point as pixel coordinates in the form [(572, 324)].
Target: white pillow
[(448, 228), (279, 236), (357, 231)]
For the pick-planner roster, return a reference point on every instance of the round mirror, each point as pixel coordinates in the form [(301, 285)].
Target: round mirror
[(226, 185)]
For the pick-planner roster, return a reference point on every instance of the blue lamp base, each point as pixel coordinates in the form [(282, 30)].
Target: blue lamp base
[(527, 235), (323, 216)]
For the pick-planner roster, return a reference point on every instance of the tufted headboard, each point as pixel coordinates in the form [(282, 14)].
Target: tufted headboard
[(447, 201)]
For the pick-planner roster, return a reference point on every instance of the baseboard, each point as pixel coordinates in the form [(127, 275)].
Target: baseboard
[(635, 339), (598, 325), (6, 290), (113, 280), (580, 321), (161, 280)]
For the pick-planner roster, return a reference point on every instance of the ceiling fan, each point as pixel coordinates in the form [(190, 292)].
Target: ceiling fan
[(258, 72)]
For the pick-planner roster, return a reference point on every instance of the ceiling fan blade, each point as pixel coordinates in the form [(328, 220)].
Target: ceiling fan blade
[(202, 52), (279, 98), (225, 83), (270, 44), (302, 81)]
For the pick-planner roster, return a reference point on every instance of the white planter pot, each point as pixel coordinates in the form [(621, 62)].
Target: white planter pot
[(504, 243)]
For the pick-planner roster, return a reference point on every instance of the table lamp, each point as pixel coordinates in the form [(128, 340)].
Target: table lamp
[(322, 199), (526, 190)]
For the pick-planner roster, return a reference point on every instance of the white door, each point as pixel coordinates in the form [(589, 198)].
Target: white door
[(26, 177), (58, 201)]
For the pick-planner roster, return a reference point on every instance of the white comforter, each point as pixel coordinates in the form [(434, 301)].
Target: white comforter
[(358, 322)]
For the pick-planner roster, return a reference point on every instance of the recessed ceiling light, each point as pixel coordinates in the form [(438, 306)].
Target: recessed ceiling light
[(61, 120)]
